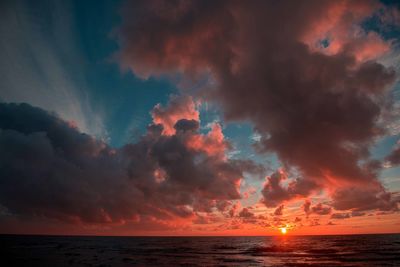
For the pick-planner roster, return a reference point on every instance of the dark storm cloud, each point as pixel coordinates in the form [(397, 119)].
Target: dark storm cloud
[(49, 169), (316, 106)]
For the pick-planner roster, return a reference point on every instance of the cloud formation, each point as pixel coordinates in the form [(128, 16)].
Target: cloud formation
[(178, 108), (311, 87), (274, 193), (48, 169), (321, 209)]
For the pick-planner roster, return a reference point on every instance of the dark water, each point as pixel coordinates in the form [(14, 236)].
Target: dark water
[(355, 250)]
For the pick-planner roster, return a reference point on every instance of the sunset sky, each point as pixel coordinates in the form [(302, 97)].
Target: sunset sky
[(199, 117)]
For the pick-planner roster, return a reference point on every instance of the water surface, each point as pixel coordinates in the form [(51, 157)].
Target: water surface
[(348, 250)]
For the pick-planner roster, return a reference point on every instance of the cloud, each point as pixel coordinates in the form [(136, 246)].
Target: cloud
[(362, 199), (321, 209), (48, 169), (340, 216), (274, 193), (357, 213), (279, 210), (245, 213), (213, 144), (177, 108), (341, 31), (206, 219), (312, 87), (306, 206)]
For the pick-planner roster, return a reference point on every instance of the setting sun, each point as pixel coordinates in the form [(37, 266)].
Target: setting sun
[(283, 230)]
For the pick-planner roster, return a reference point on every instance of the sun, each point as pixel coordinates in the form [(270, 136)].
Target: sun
[(283, 230)]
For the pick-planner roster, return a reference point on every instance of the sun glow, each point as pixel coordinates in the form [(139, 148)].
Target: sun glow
[(283, 230)]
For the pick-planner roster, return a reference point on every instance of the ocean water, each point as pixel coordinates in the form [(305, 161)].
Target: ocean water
[(347, 250)]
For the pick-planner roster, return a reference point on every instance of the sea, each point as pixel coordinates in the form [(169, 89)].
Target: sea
[(344, 250)]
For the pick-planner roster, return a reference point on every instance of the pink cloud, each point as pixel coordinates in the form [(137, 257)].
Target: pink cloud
[(178, 108), (339, 26), (213, 144)]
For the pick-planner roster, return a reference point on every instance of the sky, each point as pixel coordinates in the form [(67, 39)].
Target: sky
[(199, 117)]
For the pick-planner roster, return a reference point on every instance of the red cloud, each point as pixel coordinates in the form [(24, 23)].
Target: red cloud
[(317, 108)]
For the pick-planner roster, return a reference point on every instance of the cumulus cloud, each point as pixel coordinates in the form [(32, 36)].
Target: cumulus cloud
[(48, 169), (274, 193), (311, 87), (177, 108)]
